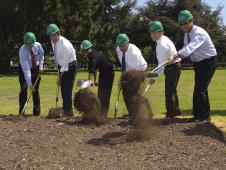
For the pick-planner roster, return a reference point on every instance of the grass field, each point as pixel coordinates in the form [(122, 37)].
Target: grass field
[(9, 90)]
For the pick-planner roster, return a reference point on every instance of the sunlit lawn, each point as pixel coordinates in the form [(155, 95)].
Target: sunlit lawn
[(9, 91)]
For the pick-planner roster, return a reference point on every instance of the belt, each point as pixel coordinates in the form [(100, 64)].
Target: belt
[(207, 59), (73, 63), (173, 64)]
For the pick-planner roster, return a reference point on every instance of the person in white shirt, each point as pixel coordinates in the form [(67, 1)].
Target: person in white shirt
[(130, 58), (31, 59), (129, 55), (164, 49), (65, 59), (200, 48)]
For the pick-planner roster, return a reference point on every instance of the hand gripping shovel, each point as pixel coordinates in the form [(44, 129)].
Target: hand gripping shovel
[(25, 105), (155, 74)]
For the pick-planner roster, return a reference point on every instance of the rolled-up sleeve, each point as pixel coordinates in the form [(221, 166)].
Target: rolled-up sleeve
[(192, 46), (41, 57), (140, 63), (65, 65), (25, 66)]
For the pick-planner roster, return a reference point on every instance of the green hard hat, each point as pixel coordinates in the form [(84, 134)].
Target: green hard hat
[(155, 26), (184, 16), (52, 29), (29, 38), (86, 44), (122, 39)]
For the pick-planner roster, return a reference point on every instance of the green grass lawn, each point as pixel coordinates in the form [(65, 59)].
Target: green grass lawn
[(9, 91)]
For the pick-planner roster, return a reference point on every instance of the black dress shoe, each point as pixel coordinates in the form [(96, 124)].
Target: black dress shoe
[(206, 118), (195, 119), (68, 113), (171, 116), (36, 114)]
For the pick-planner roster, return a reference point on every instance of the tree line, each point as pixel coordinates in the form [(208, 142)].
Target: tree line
[(100, 21)]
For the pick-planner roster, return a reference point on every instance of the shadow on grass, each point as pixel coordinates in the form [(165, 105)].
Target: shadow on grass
[(8, 75), (188, 112)]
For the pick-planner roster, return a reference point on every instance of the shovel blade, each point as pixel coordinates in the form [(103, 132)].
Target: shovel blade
[(84, 83)]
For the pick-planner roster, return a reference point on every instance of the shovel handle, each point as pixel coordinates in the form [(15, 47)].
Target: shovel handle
[(32, 89), (116, 104), (57, 90)]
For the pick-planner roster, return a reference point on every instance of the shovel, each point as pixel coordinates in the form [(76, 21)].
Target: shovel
[(116, 104), (83, 84), (155, 72), (57, 91), (25, 105)]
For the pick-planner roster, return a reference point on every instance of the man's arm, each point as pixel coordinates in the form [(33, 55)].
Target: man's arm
[(192, 46), (25, 67), (41, 58)]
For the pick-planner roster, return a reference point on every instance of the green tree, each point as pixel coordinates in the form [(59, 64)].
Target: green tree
[(167, 12), (97, 20)]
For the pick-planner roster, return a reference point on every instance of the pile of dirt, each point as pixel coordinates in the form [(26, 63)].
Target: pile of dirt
[(38, 143), (132, 80), (140, 110), (88, 104), (55, 113), (138, 106)]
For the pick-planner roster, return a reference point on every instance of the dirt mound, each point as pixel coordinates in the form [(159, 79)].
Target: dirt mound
[(138, 106), (37, 143), (88, 104), (131, 81), (140, 110), (55, 113)]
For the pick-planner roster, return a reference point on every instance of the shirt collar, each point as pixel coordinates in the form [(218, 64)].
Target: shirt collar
[(60, 39), (128, 47), (192, 30)]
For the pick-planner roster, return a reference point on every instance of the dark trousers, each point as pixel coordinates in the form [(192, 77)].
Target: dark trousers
[(204, 72), (104, 91), (67, 83), (23, 92), (127, 99), (172, 74), (128, 94)]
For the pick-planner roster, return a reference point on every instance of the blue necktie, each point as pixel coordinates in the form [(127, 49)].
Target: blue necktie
[(188, 38), (123, 62)]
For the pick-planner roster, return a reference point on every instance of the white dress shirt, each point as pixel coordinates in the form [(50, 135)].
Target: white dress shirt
[(164, 49), (25, 60), (133, 57), (64, 53), (200, 46)]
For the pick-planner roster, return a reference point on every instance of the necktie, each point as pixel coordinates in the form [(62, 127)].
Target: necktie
[(33, 59), (123, 62), (188, 38)]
